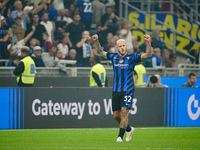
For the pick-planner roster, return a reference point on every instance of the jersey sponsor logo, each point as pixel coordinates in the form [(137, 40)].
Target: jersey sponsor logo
[(122, 65)]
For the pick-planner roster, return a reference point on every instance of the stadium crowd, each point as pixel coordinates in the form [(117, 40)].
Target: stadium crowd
[(58, 29)]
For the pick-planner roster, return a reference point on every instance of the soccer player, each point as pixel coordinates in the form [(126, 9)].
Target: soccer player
[(123, 87)]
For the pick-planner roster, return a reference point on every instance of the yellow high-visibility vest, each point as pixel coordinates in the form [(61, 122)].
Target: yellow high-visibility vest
[(101, 72), (28, 75), (141, 74)]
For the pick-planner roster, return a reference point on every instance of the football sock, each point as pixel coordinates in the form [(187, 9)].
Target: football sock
[(128, 129), (121, 132)]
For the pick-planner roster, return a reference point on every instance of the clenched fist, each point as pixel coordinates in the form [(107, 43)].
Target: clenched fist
[(95, 37), (147, 38)]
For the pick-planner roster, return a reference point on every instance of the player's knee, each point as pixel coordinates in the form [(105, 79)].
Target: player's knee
[(116, 116)]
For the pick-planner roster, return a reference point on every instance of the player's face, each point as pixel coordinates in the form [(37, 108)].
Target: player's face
[(193, 79), (122, 48)]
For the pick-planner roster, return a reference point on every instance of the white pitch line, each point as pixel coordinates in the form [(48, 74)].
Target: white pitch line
[(137, 128)]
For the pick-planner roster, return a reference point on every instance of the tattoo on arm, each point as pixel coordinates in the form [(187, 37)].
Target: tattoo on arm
[(100, 50)]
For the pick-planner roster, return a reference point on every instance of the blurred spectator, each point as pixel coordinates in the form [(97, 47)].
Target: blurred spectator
[(62, 46), (8, 19), (84, 50), (3, 3), (5, 51), (85, 8), (52, 12), (159, 81), (109, 36), (67, 18), (97, 73), (139, 75), (71, 56), (142, 47), (58, 4), (57, 33), (40, 29), (152, 82), (165, 59), (191, 82), (17, 29), (109, 19), (62, 26), (112, 45), (18, 12), (12, 58), (157, 59), (72, 10), (94, 52), (4, 34), (37, 57), (155, 39), (173, 57), (32, 43), (16, 46), (135, 45), (125, 34), (59, 54), (98, 11), (101, 34), (51, 60), (48, 26), (74, 30)]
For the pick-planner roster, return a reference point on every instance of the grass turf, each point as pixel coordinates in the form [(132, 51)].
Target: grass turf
[(143, 138)]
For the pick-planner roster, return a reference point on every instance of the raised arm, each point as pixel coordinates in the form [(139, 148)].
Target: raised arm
[(148, 53), (98, 46), (29, 35)]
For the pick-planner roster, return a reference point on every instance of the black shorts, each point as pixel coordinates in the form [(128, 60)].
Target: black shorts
[(122, 99)]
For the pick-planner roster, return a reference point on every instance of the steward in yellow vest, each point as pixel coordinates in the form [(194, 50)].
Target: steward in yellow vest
[(25, 70), (139, 75), (97, 73)]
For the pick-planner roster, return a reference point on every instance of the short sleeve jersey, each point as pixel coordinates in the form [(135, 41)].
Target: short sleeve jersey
[(123, 68), (86, 9)]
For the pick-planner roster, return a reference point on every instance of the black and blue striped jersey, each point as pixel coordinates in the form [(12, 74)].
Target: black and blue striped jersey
[(123, 68)]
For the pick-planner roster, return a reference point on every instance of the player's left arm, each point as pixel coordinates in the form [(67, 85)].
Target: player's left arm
[(148, 53)]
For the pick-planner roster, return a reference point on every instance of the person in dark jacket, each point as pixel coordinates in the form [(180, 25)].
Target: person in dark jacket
[(37, 57)]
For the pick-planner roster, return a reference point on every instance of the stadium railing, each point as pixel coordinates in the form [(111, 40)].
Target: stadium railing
[(182, 71)]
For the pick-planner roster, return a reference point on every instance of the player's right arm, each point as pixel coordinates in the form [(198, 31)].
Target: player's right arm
[(98, 46)]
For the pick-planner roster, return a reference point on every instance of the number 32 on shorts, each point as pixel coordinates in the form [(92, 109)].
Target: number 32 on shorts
[(128, 100)]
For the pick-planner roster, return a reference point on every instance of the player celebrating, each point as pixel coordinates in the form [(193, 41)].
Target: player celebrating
[(123, 87)]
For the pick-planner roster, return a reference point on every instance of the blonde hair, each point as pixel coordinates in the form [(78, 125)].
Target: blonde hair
[(120, 40)]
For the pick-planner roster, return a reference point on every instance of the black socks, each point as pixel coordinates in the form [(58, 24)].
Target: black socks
[(128, 129), (121, 132)]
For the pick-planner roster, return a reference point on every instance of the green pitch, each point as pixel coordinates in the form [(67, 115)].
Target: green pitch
[(97, 139)]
